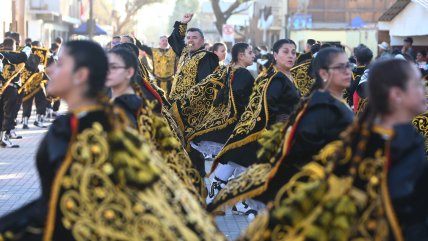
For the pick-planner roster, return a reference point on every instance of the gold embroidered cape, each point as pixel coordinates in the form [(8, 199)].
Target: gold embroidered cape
[(196, 113), (187, 71), (420, 122), (11, 71), (323, 201), (253, 122), (163, 63), (32, 82), (113, 186), (302, 78), (276, 144), (156, 129)]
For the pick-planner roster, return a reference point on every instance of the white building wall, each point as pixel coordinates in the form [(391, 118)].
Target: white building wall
[(5, 17)]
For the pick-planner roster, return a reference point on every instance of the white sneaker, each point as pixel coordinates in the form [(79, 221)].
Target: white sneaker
[(215, 188), (242, 208)]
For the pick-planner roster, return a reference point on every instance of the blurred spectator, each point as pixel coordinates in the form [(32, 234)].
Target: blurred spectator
[(421, 59), (407, 47), (383, 50), (220, 50)]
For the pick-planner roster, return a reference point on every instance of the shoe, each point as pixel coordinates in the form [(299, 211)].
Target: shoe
[(25, 123), (5, 141), (12, 135), (242, 208), (39, 121), (215, 188)]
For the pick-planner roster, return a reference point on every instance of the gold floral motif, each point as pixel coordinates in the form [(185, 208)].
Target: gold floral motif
[(319, 205), (138, 201), (187, 71), (156, 129), (302, 78), (163, 62), (182, 28), (196, 110), (421, 124)]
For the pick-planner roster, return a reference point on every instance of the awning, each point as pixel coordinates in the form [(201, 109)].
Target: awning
[(83, 30)]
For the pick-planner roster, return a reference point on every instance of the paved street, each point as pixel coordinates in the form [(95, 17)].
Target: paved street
[(19, 181)]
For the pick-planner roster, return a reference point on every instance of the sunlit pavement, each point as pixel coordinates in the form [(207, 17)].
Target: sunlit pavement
[(19, 181)]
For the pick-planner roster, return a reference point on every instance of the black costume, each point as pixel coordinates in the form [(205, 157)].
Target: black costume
[(192, 66), (101, 181), (288, 148), (344, 195), (272, 100), (14, 63), (164, 65)]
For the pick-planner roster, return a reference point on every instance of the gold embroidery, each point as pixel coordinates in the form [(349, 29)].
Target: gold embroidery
[(117, 190), (163, 63), (197, 110), (318, 205), (156, 129), (187, 71), (421, 124), (182, 29), (302, 78)]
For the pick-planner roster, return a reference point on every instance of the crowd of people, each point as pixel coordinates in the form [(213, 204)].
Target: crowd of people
[(319, 145)]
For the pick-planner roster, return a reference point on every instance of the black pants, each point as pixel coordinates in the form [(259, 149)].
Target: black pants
[(165, 84), (8, 101), (55, 105), (40, 101), (198, 160)]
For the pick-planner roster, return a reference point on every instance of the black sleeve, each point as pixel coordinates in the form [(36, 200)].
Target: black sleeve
[(15, 58), (176, 39), (319, 126), (242, 86), (144, 47), (206, 66), (281, 98)]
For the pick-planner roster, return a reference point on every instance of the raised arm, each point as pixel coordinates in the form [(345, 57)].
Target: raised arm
[(176, 39)]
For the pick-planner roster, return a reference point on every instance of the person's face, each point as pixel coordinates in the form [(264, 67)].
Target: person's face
[(247, 57), (61, 75), (338, 75), (419, 57), (194, 41), (413, 99), (407, 44), (307, 48), (221, 53), (163, 42), (115, 41), (286, 56), (118, 74)]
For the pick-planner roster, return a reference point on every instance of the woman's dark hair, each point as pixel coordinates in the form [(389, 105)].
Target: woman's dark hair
[(383, 75), (216, 46), (323, 60), (131, 47), (129, 59), (237, 49), (88, 54), (278, 44)]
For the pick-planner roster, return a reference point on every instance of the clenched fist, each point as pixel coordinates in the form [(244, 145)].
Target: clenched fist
[(186, 18)]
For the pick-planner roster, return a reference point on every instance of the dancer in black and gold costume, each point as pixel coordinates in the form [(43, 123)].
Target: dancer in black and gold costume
[(273, 99), (123, 68), (164, 63), (195, 62), (100, 180), (370, 185), (209, 111), (14, 64), (317, 121)]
